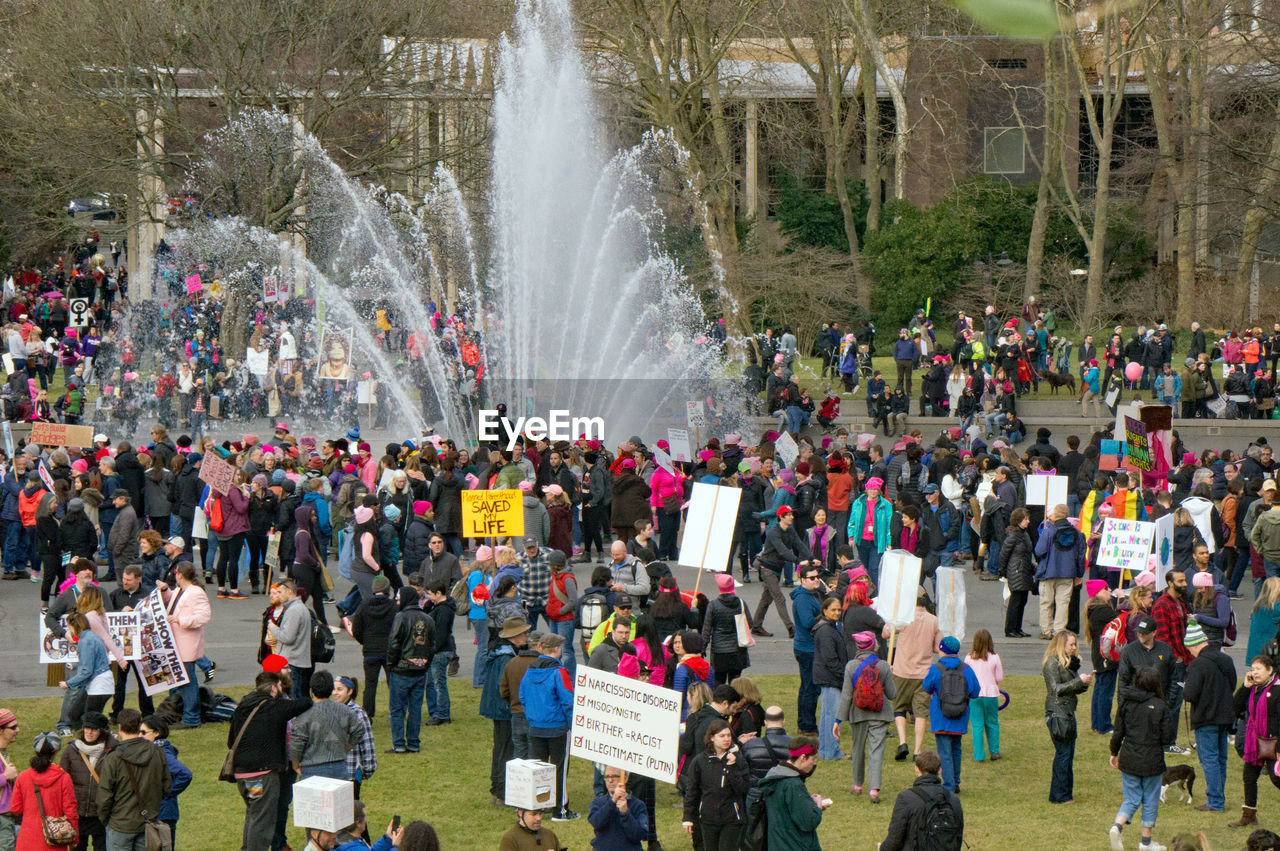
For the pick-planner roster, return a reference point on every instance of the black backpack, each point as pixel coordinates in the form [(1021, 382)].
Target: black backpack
[(756, 837), (953, 691), (938, 829), (1065, 537), (322, 642)]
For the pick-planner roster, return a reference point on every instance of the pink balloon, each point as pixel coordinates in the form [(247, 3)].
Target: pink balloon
[(1133, 371)]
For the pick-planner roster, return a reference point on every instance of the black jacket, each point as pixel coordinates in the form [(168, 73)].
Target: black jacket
[(830, 654), (1135, 656), (1210, 684), (412, 637), (692, 741), (1144, 728), (442, 617), (78, 535), (783, 547), (186, 492), (263, 745), (715, 792), (1017, 561), (1099, 616), (909, 810), (263, 508), (720, 629), (415, 549), (371, 625), (446, 499), (764, 751)]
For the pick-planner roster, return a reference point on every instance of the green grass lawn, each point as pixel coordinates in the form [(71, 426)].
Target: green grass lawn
[(1006, 803)]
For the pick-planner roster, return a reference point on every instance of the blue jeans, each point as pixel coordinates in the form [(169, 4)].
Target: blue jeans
[(807, 698), (481, 629), (870, 559), (15, 547), (994, 422), (190, 694), (828, 745), (1175, 689), (117, 841), (1063, 778), (949, 751), (406, 709), (335, 770), (437, 687), (568, 658), (993, 556), (1239, 569), (534, 611), (1104, 688), (1144, 791), (1211, 747)]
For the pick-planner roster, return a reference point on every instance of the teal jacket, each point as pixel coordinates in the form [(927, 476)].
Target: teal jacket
[(793, 816), (858, 516)]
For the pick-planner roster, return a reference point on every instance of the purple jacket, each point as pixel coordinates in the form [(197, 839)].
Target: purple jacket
[(235, 514)]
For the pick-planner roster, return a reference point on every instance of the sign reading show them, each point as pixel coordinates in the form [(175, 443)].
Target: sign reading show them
[(491, 514), (625, 723)]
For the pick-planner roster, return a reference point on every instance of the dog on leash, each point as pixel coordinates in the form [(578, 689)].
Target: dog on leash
[(1058, 379), (1181, 777)]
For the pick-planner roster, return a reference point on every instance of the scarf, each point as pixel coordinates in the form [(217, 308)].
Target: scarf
[(908, 537), (93, 752), (1256, 725)]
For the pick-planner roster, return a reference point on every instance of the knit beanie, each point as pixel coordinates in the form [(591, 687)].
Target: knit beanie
[(1195, 634)]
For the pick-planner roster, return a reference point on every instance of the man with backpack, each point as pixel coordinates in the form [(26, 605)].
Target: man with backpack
[(410, 648), (1060, 553), (952, 685), (927, 815)]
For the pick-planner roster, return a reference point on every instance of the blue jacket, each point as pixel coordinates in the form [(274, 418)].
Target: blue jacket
[(938, 722), (107, 511), (905, 350), (383, 844), (11, 491), (93, 660), (616, 831), (546, 691), (1056, 560), (181, 780), (317, 501), (492, 706), (805, 608)]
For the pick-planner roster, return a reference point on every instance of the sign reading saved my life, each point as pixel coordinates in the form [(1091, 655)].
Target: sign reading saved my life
[(492, 514), (625, 723)]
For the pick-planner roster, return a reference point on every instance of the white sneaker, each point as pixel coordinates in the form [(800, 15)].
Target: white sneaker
[(1152, 846), (1117, 841), (1177, 749)]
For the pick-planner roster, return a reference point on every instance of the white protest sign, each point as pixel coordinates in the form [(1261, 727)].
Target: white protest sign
[(123, 626), (695, 412), (952, 606), (79, 309), (1046, 490), (1126, 544), (899, 586), (707, 541), (628, 724), (1162, 546), (664, 460), (159, 664), (323, 803), (788, 451), (678, 440)]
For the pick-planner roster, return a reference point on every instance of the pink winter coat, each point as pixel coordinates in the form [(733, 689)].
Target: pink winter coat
[(662, 486), (187, 619)]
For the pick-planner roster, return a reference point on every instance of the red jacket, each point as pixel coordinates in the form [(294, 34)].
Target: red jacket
[(58, 795)]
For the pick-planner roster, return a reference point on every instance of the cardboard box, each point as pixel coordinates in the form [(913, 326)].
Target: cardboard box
[(531, 784), (323, 803)]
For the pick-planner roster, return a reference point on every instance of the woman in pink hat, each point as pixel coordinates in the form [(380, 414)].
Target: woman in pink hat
[(869, 518), (1099, 612), (720, 632)]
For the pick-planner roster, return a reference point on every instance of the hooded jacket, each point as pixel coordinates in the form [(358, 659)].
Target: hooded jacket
[(412, 637), (316, 500), (181, 779), (546, 692), (416, 539), (1210, 684), (1061, 552), (830, 653), (136, 761), (719, 628), (938, 722), (909, 811), (1143, 729), (715, 790), (806, 607), (371, 625), (793, 815), (263, 745), (492, 706), (446, 499), (78, 535)]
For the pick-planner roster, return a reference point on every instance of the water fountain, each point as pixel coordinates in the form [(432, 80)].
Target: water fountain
[(575, 303)]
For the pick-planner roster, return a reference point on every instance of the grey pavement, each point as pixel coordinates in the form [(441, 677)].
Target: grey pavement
[(231, 639)]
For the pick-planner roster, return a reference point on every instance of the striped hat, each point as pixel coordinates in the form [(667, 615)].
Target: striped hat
[(1195, 635)]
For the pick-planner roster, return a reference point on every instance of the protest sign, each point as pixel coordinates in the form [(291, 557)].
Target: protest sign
[(8, 438), (217, 473), (194, 284), (159, 664), (530, 784), (625, 723), (1136, 445), (1046, 490), (664, 460), (678, 440), (1125, 544), (708, 528), (1113, 394), (952, 605), (1162, 546), (46, 478), (323, 803), (695, 412), (788, 451), (57, 434), (491, 514), (270, 289), (123, 626), (899, 585), (79, 309)]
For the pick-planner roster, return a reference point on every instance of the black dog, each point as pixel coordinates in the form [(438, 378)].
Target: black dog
[(1058, 379), (1181, 776)]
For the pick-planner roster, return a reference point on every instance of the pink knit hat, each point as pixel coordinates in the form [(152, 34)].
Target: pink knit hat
[(484, 552), (724, 582), (875, 482), (526, 486), (1093, 586)]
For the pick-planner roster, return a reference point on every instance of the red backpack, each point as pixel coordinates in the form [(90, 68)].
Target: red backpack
[(868, 691), (213, 511), (1113, 638)]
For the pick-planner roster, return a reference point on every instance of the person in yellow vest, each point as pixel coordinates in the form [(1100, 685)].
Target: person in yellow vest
[(622, 607)]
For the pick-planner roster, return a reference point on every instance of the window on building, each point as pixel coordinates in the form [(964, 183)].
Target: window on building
[(1008, 64), (1004, 150)]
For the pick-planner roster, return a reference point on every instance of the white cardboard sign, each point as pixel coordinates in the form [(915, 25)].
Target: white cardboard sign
[(899, 586), (952, 605), (1046, 490), (531, 784), (1125, 544), (323, 803), (664, 460), (707, 541), (625, 723), (788, 451), (696, 414), (123, 626), (678, 440)]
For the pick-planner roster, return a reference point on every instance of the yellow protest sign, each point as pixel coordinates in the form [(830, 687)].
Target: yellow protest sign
[(492, 514)]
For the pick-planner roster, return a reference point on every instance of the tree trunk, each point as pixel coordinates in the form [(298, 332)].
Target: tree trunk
[(1098, 240), (1049, 165), (871, 151), (1254, 218), (871, 43)]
